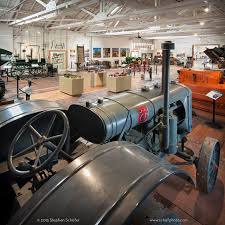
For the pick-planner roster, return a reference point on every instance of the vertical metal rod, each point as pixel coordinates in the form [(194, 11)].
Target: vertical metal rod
[(162, 78), (17, 86), (214, 110), (166, 47), (7, 75), (166, 98)]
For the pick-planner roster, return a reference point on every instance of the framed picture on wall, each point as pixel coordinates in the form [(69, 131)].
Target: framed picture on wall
[(115, 52), (97, 52), (106, 52), (123, 52), (58, 58), (128, 52)]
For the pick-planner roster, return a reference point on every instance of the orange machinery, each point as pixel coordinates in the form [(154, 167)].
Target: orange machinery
[(201, 82)]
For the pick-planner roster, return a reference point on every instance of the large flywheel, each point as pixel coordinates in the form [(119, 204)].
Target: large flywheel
[(43, 147)]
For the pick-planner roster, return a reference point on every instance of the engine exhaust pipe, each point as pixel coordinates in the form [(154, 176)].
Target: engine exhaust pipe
[(166, 47)]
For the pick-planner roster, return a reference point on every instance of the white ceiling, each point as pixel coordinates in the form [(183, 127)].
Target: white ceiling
[(151, 18)]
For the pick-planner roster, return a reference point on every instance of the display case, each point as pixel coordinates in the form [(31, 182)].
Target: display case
[(100, 78), (118, 83), (71, 85)]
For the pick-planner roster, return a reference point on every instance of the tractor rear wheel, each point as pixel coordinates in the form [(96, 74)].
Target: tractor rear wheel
[(208, 165)]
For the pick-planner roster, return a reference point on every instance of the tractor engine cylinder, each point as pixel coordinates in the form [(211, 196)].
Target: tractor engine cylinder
[(101, 121)]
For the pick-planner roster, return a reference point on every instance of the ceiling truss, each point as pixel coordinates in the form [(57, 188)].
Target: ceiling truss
[(120, 17)]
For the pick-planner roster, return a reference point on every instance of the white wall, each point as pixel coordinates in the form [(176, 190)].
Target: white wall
[(184, 45), (111, 42), (6, 37), (31, 38), (74, 40), (70, 40)]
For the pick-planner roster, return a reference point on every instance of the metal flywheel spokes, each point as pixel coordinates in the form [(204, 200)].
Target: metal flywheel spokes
[(44, 144)]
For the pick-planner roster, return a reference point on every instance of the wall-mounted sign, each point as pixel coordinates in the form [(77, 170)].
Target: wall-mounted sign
[(57, 45)]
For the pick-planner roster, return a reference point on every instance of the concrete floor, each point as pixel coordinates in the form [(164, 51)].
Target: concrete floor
[(48, 88), (177, 194)]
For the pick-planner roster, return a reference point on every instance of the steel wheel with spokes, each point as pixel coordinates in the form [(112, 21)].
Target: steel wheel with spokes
[(37, 155), (208, 165)]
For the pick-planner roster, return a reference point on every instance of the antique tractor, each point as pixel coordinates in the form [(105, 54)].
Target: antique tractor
[(106, 185), (157, 120)]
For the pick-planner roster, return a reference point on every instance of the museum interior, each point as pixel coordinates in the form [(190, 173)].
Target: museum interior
[(112, 112)]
